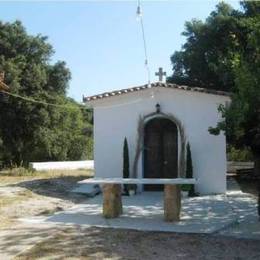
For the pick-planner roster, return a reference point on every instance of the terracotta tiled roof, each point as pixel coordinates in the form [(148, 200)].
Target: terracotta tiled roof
[(153, 85)]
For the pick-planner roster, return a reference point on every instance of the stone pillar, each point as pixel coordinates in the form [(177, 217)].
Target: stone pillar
[(112, 202), (172, 202)]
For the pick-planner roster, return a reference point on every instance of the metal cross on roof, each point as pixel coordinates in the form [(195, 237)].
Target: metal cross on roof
[(160, 74)]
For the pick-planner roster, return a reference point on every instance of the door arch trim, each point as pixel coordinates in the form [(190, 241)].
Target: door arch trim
[(140, 141)]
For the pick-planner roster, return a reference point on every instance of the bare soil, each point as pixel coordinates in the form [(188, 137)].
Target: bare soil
[(97, 243), (45, 193), (248, 186), (39, 194)]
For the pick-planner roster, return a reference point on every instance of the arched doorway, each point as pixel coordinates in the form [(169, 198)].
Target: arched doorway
[(160, 150)]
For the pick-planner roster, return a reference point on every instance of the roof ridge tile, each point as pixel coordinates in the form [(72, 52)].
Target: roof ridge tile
[(152, 85)]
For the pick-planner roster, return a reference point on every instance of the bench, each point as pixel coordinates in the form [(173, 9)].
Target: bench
[(112, 201)]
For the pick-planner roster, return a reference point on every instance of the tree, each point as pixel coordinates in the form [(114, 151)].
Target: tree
[(32, 131), (224, 53), (126, 164), (189, 169), (206, 57)]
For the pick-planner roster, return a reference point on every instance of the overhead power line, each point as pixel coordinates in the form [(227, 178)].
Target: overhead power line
[(28, 99), (5, 90), (140, 18)]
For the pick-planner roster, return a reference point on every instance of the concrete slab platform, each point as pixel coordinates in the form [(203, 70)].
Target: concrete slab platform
[(206, 214), (247, 223), (90, 190)]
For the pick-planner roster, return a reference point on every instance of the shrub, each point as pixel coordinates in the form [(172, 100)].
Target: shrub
[(20, 171), (189, 170), (239, 155), (186, 187), (126, 165)]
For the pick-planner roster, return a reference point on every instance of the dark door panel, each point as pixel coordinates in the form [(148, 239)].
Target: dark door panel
[(160, 150)]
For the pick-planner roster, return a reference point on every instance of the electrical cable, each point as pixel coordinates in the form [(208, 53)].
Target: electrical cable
[(139, 16)]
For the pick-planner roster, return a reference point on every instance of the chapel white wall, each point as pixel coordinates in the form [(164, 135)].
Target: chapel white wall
[(117, 117)]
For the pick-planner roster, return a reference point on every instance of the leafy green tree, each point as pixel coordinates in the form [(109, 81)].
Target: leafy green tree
[(32, 131), (224, 53), (206, 57), (242, 117)]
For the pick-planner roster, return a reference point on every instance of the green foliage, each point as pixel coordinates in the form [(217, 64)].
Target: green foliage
[(126, 164), (189, 169), (31, 131), (186, 187), (126, 160), (20, 171), (206, 58), (16, 170), (224, 53), (89, 149), (242, 125), (239, 155)]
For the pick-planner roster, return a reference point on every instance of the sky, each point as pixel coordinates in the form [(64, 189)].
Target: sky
[(101, 41)]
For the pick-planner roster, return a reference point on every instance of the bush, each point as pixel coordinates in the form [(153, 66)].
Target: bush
[(189, 170), (126, 165), (239, 155), (89, 151), (186, 187), (19, 171)]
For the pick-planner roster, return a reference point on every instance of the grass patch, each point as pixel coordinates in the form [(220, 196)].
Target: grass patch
[(8, 201), (67, 244), (14, 176), (17, 187), (16, 198)]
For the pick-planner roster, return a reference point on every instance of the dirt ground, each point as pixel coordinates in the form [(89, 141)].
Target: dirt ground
[(39, 194), (97, 243), (45, 193), (248, 186)]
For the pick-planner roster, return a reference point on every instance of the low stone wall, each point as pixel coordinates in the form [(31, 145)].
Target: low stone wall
[(232, 167), (67, 165)]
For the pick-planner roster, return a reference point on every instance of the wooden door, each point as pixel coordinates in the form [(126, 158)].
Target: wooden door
[(160, 151)]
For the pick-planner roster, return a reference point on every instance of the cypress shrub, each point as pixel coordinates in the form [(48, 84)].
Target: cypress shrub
[(126, 165), (189, 169)]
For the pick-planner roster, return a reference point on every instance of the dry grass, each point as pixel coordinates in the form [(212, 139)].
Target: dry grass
[(36, 193), (11, 201), (97, 243), (8, 177)]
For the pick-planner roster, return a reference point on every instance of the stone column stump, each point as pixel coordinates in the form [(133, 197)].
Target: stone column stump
[(172, 202), (112, 202)]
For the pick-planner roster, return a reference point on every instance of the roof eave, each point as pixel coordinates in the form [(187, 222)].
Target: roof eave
[(153, 85)]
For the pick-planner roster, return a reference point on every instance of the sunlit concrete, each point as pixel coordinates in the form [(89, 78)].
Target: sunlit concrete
[(144, 211), (232, 214)]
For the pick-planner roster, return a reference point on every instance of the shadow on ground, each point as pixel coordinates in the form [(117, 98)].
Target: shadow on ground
[(144, 211), (59, 187), (98, 243)]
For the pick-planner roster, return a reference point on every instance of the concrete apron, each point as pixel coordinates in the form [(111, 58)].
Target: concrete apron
[(205, 214)]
